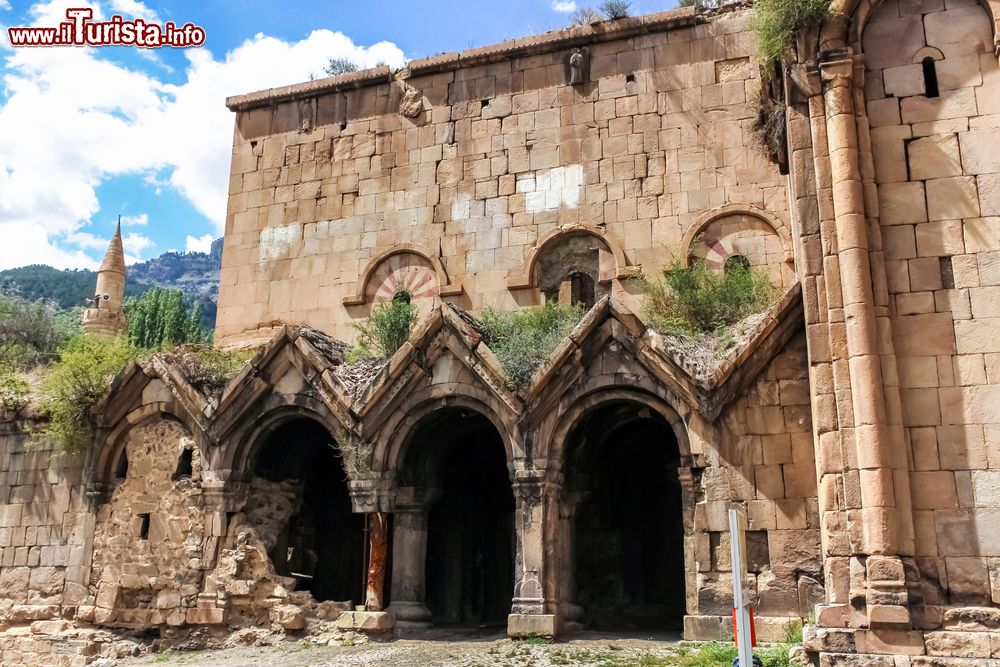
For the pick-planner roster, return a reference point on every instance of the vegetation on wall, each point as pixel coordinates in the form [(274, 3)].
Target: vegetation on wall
[(615, 9), (338, 66), (14, 389), (775, 22), (160, 318), (86, 366), (524, 339), (389, 325), (693, 301), (208, 369)]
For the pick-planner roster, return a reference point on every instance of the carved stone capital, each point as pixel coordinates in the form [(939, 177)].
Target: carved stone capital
[(836, 67), (837, 73)]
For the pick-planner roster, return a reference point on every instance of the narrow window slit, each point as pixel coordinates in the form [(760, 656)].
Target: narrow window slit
[(184, 465), (930, 77), (144, 526)]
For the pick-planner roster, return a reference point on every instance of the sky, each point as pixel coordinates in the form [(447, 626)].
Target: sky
[(88, 134)]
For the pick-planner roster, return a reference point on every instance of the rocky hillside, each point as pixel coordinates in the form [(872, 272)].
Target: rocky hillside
[(194, 273)]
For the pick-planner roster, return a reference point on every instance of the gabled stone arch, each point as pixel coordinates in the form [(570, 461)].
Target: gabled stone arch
[(597, 394), (447, 356), (396, 433), (109, 450), (235, 459), (404, 266), (611, 263)]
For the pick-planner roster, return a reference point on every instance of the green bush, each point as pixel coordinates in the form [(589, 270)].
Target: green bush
[(775, 22), (86, 366), (523, 340), (693, 300), (389, 325), (159, 318), (14, 390), (30, 333), (207, 368)]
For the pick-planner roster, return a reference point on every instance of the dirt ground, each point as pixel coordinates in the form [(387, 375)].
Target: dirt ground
[(468, 649)]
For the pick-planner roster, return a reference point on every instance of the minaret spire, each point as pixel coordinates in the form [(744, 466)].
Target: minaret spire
[(104, 316)]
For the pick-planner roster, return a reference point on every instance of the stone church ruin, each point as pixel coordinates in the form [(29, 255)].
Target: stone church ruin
[(856, 424)]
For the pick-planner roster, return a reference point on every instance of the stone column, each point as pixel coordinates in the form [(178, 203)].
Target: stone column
[(536, 500), (409, 556), (861, 345), (566, 559), (378, 541)]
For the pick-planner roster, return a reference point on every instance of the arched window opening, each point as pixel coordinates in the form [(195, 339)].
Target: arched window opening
[(930, 77), (121, 470), (184, 465)]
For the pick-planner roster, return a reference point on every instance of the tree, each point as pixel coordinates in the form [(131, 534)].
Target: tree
[(338, 66), (30, 332), (584, 16), (160, 318), (615, 9)]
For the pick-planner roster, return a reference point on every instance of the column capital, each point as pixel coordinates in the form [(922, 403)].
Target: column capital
[(837, 68)]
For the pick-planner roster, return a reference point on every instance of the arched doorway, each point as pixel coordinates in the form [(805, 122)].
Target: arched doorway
[(627, 569), (321, 543), (459, 456)]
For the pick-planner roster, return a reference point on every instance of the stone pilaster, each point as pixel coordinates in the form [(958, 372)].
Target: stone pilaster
[(874, 484), (536, 506), (409, 556)]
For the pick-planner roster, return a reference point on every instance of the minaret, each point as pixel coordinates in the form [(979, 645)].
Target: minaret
[(104, 317)]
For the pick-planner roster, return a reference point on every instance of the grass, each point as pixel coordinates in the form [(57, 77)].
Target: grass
[(207, 368), (524, 339), (775, 22), (694, 299), (389, 325)]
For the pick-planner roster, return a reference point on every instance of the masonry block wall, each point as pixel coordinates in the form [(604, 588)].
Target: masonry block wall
[(476, 161), (44, 528), (760, 455), (936, 173)]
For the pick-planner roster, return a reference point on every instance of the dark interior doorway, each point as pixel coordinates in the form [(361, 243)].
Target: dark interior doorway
[(629, 559), (322, 545), (470, 537)]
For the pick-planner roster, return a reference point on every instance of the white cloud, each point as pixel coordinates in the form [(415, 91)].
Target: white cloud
[(130, 9), (135, 220), (564, 6), (198, 243), (4, 4), (70, 120), (30, 244), (134, 244)]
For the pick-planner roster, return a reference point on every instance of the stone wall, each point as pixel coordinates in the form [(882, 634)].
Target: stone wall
[(936, 170), (470, 164), (760, 455), (44, 528)]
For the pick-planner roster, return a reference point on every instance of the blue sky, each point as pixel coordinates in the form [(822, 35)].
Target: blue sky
[(87, 134)]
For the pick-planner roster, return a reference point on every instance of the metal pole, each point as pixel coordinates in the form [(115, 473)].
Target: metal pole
[(741, 605)]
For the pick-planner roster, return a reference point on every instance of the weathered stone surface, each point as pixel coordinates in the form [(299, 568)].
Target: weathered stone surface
[(367, 621)]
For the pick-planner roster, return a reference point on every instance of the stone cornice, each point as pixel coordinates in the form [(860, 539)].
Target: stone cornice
[(553, 40)]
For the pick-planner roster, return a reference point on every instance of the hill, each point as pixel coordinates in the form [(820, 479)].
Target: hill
[(196, 274)]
